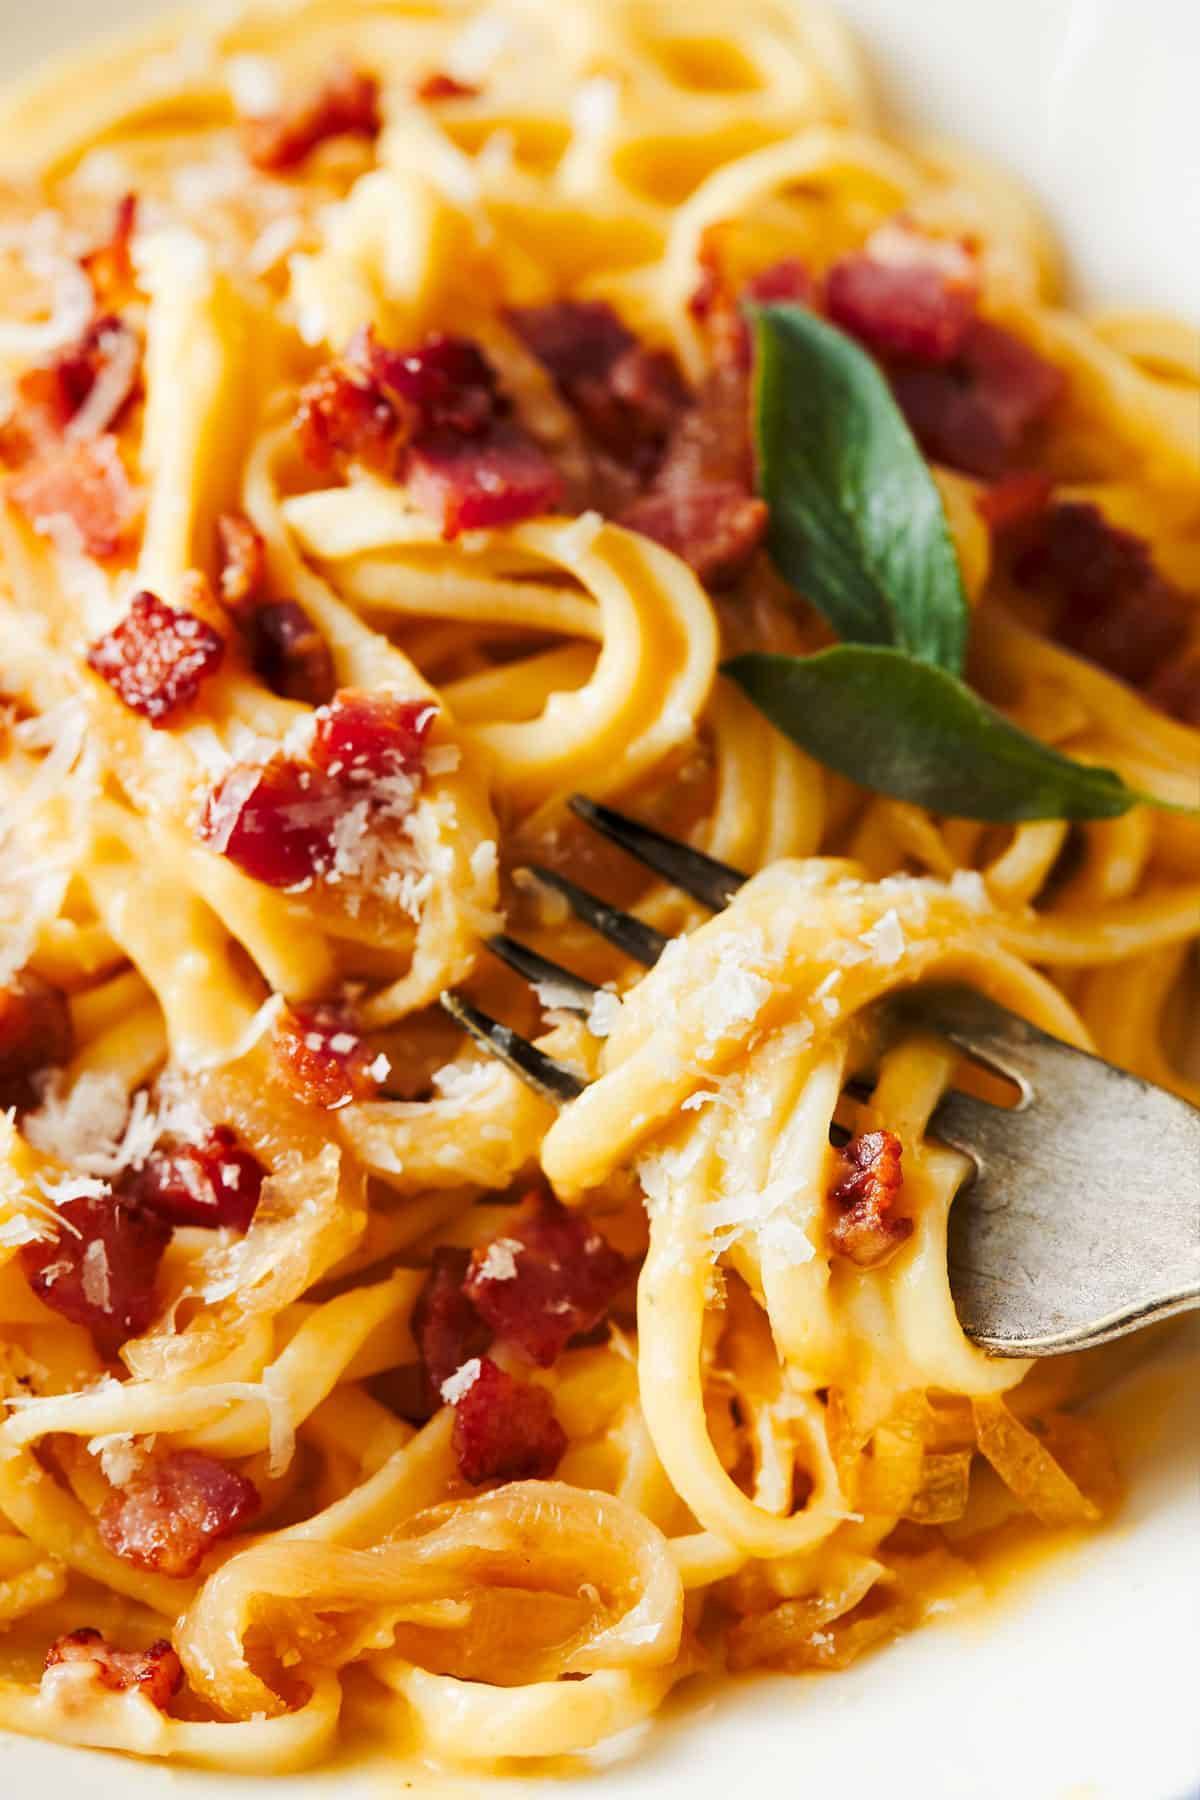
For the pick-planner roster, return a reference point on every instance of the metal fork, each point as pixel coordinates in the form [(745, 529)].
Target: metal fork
[(1080, 1221)]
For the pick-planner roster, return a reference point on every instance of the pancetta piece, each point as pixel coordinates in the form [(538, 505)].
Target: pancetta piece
[(241, 561), (549, 1277), (274, 820), (445, 1324), (905, 296), (216, 1182), (80, 495), (1110, 602), (981, 412), (628, 397), (100, 1271), (504, 1429), (156, 1672), (174, 1509), (346, 104), (322, 1057), (157, 658), (433, 416), (865, 1227), (35, 1033)]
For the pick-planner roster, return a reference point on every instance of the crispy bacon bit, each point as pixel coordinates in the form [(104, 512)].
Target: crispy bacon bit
[(80, 495), (1112, 604), (241, 561), (157, 658), (715, 526), (445, 1325), (35, 1033), (289, 653), (362, 737), (504, 1429), (628, 397), (905, 296), (1175, 689), (789, 280), (285, 647), (279, 822), (344, 416), (438, 85), (213, 1183), (375, 400), (866, 1229), (701, 503), (717, 305), (1014, 499), (981, 411), (552, 1276), (174, 1510), (81, 392), (346, 105), (101, 1269), (275, 821), (322, 1057), (435, 417), (446, 384), (110, 265), (156, 1672), (481, 485)]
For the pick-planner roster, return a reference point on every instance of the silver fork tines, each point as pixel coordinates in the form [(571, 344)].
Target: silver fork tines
[(575, 993), (641, 943), (1082, 1219), (543, 1073), (712, 883)]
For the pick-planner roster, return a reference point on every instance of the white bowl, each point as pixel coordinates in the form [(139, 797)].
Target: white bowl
[(1079, 1681)]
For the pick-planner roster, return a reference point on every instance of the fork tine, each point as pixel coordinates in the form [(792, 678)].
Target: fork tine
[(982, 1029), (537, 1070), (641, 943), (538, 969), (712, 883)]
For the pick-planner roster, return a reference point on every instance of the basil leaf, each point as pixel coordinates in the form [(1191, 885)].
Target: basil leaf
[(904, 728), (856, 520)]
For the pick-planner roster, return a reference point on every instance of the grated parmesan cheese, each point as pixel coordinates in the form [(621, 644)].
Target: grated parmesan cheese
[(970, 890), (667, 1170), (119, 1456), (82, 1125), (442, 759), (736, 998), (20, 1229), (500, 1260), (96, 1275), (254, 85), (886, 938), (485, 860), (604, 1013), (556, 996), (58, 1189), (461, 1382), (463, 1082)]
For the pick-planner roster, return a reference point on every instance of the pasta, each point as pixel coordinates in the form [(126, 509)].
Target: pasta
[(373, 416)]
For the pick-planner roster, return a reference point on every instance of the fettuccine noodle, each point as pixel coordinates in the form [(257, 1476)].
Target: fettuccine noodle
[(782, 1452)]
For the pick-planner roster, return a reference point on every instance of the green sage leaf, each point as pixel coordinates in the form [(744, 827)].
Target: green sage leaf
[(856, 520), (905, 728)]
